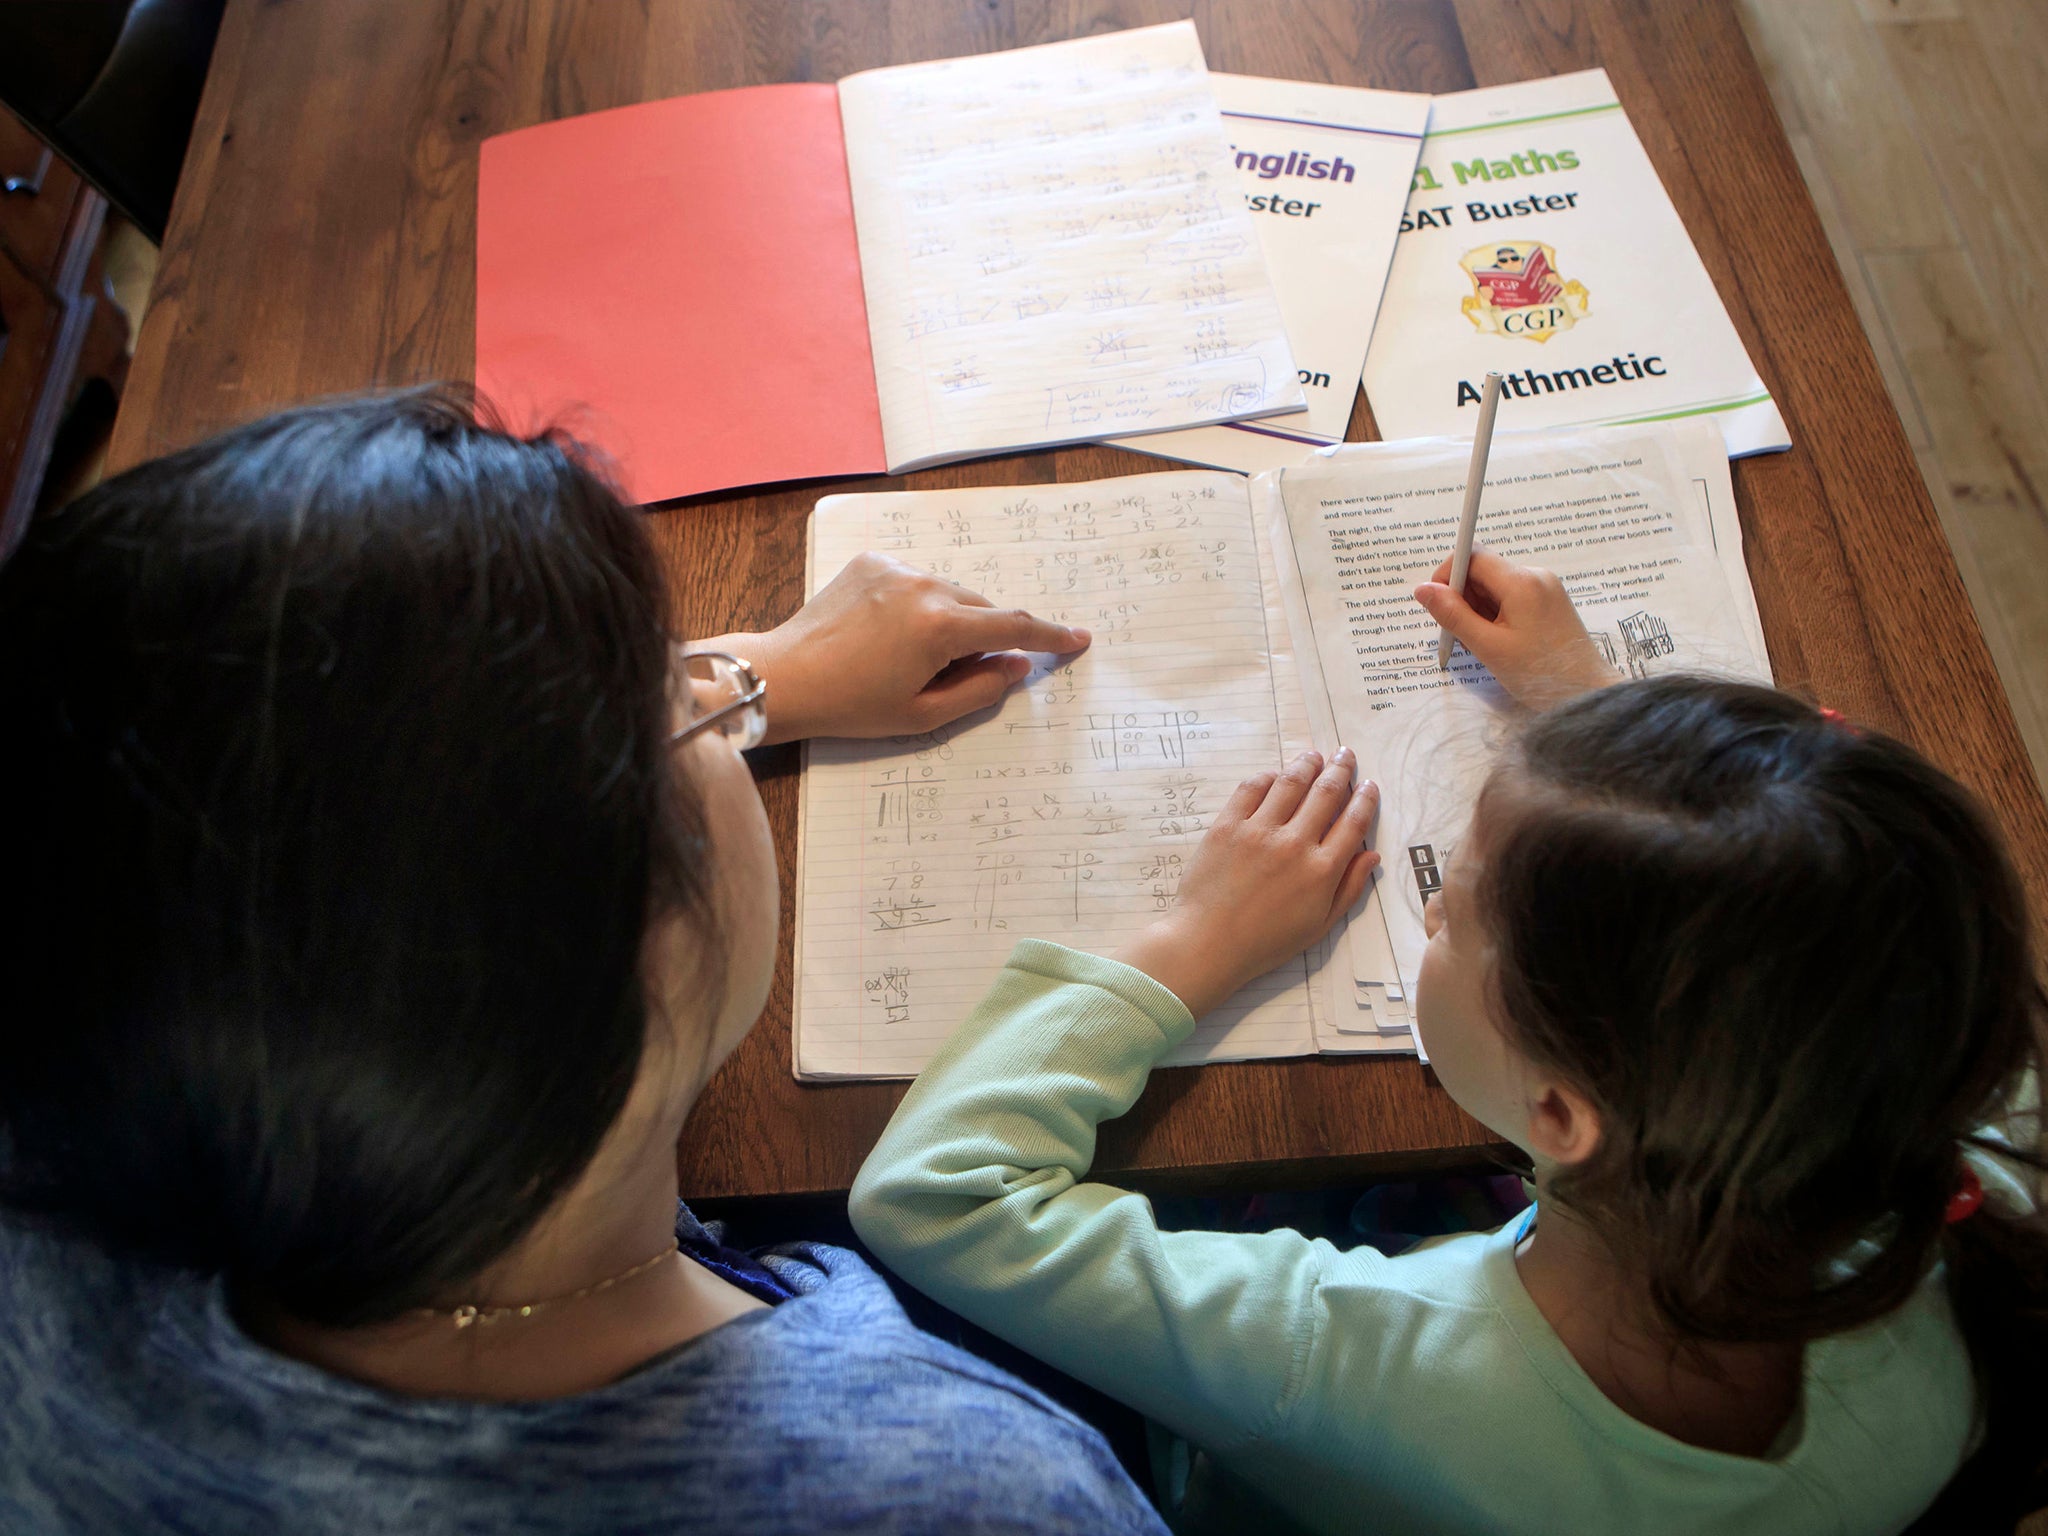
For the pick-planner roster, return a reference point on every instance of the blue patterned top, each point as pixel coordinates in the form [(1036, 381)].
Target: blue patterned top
[(131, 1401)]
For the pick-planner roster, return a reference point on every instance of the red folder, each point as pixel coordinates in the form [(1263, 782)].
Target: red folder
[(678, 284)]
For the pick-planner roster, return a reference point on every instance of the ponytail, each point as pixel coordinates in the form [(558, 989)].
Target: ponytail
[(1996, 1261)]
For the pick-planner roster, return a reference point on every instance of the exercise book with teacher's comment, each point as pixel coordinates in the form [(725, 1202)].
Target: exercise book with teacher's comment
[(1071, 810), (918, 264)]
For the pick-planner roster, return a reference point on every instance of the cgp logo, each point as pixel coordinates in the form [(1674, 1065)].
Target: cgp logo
[(1517, 291)]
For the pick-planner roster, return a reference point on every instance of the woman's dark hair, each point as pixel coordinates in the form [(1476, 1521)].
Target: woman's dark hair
[(1789, 963), (336, 801)]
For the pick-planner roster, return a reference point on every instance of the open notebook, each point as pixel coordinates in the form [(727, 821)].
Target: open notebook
[(920, 263), (1235, 621), (1069, 812)]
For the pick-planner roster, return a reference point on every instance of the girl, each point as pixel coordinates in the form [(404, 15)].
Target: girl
[(1740, 980), (386, 888)]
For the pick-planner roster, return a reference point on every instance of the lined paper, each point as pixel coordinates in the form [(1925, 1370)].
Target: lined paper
[(1054, 249), (1324, 171), (1070, 811)]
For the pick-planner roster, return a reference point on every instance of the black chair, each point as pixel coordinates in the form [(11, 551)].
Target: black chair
[(112, 86)]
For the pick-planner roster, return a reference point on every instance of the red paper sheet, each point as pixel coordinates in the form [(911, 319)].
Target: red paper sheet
[(678, 283)]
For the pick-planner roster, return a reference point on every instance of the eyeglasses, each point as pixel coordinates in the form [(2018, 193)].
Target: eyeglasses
[(721, 691)]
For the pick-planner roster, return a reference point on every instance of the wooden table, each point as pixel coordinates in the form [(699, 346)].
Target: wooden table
[(323, 240)]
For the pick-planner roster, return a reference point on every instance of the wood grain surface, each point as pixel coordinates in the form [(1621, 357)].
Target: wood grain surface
[(323, 241)]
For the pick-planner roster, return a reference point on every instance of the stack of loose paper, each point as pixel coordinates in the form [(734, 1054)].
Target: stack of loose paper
[(1639, 521)]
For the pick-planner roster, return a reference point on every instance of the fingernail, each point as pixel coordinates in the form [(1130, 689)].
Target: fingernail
[(1080, 635), (1016, 666), (1346, 756)]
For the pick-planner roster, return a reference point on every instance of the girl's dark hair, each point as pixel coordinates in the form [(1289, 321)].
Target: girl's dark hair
[(1789, 963), (336, 801)]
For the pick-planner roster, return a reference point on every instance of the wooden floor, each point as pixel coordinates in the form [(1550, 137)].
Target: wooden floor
[(1919, 126)]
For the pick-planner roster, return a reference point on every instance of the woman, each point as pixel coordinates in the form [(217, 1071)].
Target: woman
[(394, 885)]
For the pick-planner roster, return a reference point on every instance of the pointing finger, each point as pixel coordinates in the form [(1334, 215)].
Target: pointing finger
[(1012, 629)]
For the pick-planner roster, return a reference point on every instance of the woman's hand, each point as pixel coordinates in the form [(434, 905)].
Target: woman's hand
[(1279, 866), (889, 650), (1520, 622)]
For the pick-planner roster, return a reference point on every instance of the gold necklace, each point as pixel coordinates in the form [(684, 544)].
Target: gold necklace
[(469, 1312)]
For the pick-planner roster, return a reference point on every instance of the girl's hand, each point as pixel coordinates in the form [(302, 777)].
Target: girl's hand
[(1520, 622), (889, 650), (1283, 861)]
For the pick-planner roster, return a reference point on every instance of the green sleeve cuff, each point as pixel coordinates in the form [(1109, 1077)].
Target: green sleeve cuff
[(1056, 962)]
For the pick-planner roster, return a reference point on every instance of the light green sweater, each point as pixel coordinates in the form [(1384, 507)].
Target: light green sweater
[(1338, 1391)]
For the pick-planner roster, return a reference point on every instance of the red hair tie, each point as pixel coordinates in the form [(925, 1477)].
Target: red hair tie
[(1968, 1196), (1836, 717)]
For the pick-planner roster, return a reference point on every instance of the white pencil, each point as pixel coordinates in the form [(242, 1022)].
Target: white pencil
[(1468, 520)]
